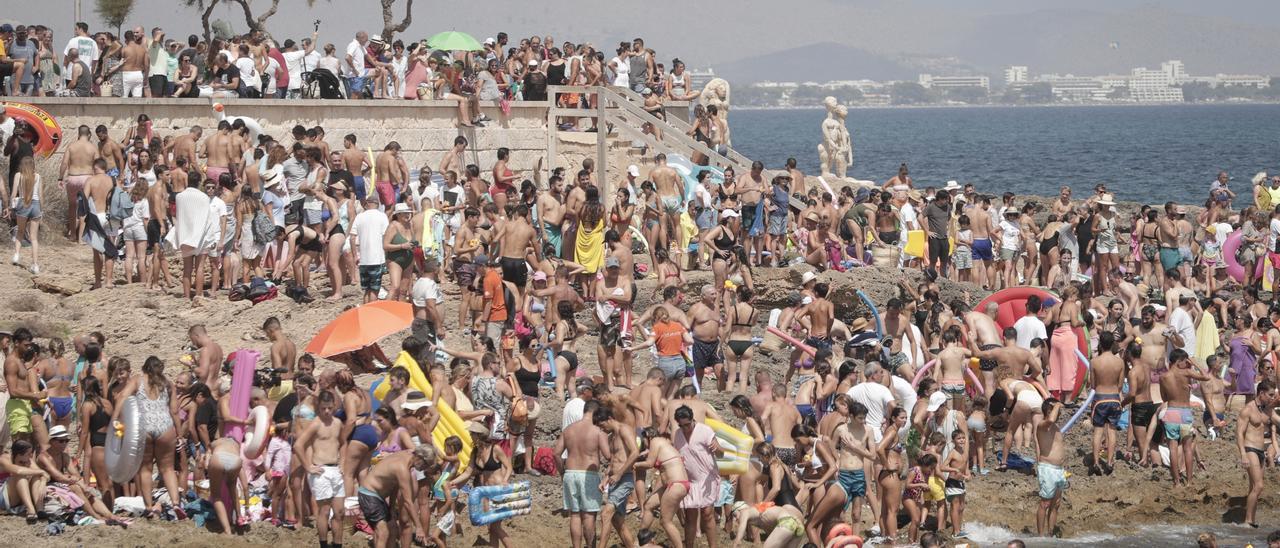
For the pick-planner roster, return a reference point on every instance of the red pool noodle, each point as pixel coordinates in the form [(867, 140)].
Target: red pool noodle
[(793, 341)]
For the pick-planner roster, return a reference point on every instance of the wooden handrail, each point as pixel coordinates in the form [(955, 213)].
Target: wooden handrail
[(683, 126), (670, 132)]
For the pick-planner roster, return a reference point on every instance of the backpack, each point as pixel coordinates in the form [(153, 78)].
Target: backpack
[(519, 407), (264, 230), (119, 205)]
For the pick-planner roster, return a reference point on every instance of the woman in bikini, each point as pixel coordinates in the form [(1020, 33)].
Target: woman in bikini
[(741, 317), (489, 466), (503, 179), (158, 404), (669, 273), (721, 240), (649, 215), (398, 243), (95, 417), (664, 457), (620, 215), (395, 438), (889, 454), (563, 341), (358, 431), (57, 372)]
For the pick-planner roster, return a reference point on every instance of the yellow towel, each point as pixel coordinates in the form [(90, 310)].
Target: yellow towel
[(428, 240), (688, 229), (589, 248), (1206, 338)]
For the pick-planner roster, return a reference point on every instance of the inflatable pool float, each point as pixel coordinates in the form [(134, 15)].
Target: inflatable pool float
[(450, 423), (737, 447), (255, 440), (505, 502), (125, 443), (1236, 270), (1012, 304), (251, 124), (45, 133)]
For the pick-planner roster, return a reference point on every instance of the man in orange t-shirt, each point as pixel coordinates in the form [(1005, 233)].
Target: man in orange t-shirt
[(495, 302)]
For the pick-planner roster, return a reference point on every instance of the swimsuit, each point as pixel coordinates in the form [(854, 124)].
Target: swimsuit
[(374, 508), (402, 257), (514, 270), (1178, 423), (366, 434), (98, 422), (706, 354), (1052, 479), (982, 249), (854, 484), (1142, 413), (582, 491), (62, 405), (156, 420), (790, 523), (1106, 409)]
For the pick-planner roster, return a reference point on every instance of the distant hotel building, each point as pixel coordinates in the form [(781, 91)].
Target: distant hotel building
[(1158, 86), (954, 82), (698, 78), (1240, 80), (1015, 75)]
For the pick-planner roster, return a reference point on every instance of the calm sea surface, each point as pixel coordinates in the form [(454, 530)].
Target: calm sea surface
[(1143, 153)]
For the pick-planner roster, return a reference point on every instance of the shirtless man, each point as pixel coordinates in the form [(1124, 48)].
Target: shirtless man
[(953, 360), (764, 392), (981, 331), (133, 68), (688, 397), (1167, 234), (621, 480), (382, 483), (582, 446), (157, 227), (219, 151), (671, 297), (454, 159), (184, 146), (1256, 420), (1107, 377), (984, 229), (355, 161), (671, 192), (318, 448), (1125, 291), (284, 354), (390, 175), (705, 326), (209, 362), (1023, 363), (465, 248), (23, 395), (817, 317), (110, 150), (779, 417), (853, 447), (551, 211), (515, 239), (750, 191), (77, 166), (1050, 473), (897, 326), (647, 399), (1142, 394), (1179, 429), (97, 189), (797, 177)]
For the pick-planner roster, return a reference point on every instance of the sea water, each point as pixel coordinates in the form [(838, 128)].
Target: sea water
[(1144, 153)]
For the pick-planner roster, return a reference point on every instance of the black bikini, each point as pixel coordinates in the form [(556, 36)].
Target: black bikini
[(741, 347)]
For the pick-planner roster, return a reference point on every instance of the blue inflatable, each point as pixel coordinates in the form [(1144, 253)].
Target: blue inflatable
[(505, 502)]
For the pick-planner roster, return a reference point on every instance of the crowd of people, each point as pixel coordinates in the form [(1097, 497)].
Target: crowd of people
[(851, 419), (152, 64)]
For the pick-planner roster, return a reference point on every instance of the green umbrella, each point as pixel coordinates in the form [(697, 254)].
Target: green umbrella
[(454, 41)]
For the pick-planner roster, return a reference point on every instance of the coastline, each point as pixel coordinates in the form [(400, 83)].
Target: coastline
[(1011, 106)]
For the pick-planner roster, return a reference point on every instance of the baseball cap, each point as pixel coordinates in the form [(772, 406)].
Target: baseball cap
[(633, 170), (480, 260), (612, 262), (938, 399), (6, 28), (490, 41), (539, 276)]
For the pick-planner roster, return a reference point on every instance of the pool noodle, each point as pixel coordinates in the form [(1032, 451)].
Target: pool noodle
[(241, 390), (875, 313), (1087, 401), (792, 340)]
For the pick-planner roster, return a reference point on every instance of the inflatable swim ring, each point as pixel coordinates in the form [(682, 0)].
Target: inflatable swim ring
[(124, 443), (255, 441), (505, 502), (1013, 306), (737, 447), (839, 530), (45, 132)]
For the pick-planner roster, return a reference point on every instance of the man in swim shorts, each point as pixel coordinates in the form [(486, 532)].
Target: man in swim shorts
[(18, 409), (621, 481), (1050, 475), (318, 450), (393, 476), (1170, 257), (584, 445), (77, 167), (1175, 389)]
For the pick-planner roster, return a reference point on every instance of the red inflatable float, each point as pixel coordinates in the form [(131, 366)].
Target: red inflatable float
[(43, 131), (1013, 306)]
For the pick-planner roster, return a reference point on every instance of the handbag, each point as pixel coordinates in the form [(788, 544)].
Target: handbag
[(519, 407)]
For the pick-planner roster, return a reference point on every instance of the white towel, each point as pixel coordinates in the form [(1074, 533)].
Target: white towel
[(188, 232)]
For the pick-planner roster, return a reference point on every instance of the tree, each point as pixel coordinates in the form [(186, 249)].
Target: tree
[(909, 93), (388, 28), (258, 23), (114, 12)]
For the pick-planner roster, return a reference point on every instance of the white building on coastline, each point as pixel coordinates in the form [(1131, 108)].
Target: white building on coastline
[(954, 82), (1015, 75)]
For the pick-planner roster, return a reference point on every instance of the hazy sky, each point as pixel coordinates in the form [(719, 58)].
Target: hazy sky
[(721, 30)]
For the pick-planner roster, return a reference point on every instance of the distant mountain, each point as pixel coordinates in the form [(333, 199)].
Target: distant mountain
[(815, 62)]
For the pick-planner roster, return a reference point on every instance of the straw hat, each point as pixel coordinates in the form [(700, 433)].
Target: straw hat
[(858, 324), (1107, 200)]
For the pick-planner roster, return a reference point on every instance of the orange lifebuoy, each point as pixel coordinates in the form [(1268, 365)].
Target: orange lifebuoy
[(846, 541), (45, 133), (840, 530)]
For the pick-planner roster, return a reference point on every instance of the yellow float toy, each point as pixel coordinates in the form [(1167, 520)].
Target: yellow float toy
[(737, 448), (450, 423)]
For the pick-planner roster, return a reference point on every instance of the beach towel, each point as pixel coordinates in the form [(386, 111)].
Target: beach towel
[(97, 231), (688, 230), (1062, 360), (589, 248), (188, 232), (1206, 338)]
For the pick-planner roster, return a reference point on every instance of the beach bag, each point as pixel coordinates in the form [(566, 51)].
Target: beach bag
[(544, 460), (264, 230), (519, 407)]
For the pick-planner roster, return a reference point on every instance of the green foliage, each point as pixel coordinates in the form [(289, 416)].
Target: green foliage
[(114, 12), (910, 93)]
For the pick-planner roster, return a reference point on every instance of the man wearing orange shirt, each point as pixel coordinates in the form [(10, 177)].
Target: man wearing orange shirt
[(495, 302)]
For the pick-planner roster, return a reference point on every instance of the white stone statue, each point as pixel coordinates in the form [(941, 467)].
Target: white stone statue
[(717, 94), (836, 150)]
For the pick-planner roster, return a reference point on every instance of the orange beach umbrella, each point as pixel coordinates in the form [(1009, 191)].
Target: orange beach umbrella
[(360, 327)]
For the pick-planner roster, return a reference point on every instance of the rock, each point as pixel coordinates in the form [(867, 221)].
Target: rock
[(774, 286), (57, 285)]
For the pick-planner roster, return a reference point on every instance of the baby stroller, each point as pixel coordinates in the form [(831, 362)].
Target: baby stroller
[(322, 84)]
